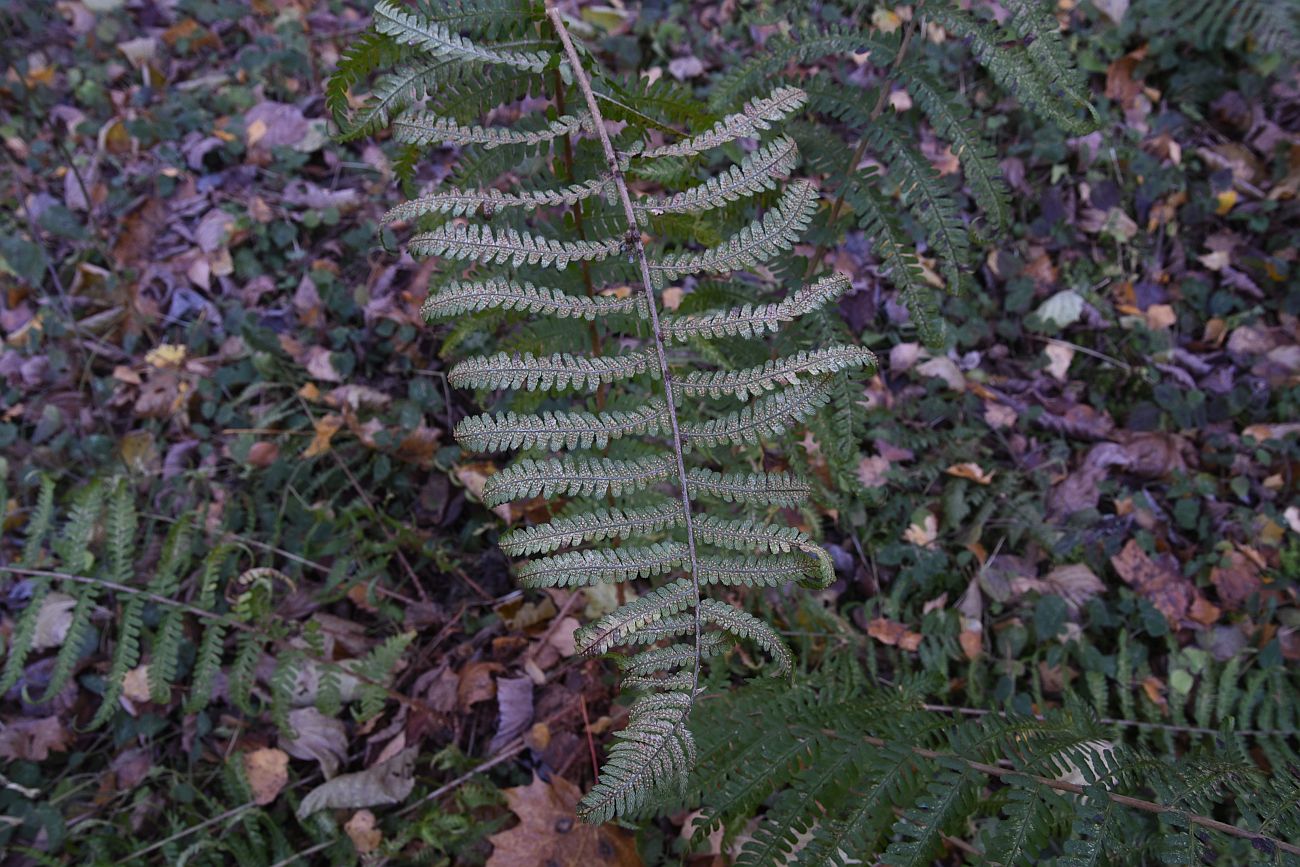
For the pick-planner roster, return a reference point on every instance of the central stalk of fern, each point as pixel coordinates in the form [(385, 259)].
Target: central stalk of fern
[(474, 224)]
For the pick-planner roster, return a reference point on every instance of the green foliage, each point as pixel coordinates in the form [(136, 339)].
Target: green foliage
[(841, 772)]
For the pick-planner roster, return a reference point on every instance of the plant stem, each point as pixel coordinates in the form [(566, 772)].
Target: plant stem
[(881, 99), (647, 284)]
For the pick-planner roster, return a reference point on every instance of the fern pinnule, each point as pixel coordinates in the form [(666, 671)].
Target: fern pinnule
[(594, 526), (577, 476), (558, 371), (757, 116), (558, 430), (457, 298), (410, 28)]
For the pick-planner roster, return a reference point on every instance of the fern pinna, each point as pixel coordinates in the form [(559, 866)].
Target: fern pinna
[(846, 772), (654, 463)]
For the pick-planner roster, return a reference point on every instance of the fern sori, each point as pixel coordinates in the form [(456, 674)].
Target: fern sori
[(659, 451)]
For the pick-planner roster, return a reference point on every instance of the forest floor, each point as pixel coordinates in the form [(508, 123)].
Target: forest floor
[(1098, 484)]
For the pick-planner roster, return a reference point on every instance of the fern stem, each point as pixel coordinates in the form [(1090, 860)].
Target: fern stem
[(647, 283), (881, 99)]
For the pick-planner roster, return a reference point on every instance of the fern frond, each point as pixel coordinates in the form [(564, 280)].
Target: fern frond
[(753, 245), (508, 245), (558, 430), (591, 527), (757, 172), (1029, 824), (457, 299), (602, 565), (746, 626), (772, 415), (776, 372), (755, 489), (422, 128), (947, 801), (409, 28), (458, 203), (579, 476), (674, 656), (756, 116), (630, 618), (755, 73), (751, 320), (558, 371), (654, 750), (1038, 30), (747, 535)]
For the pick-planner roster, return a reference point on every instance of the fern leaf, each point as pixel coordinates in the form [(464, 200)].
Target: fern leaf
[(948, 800), (243, 670), (753, 245), (756, 116), (766, 571), (747, 535), (593, 526), (458, 203), (558, 371), (1038, 29), (755, 489), (1029, 823), (480, 243), (392, 94), (207, 665), (776, 372), (1094, 821), (41, 520), (757, 172), (630, 618), (751, 320), (422, 128), (952, 120), (654, 750), (164, 657), (586, 567), (755, 73), (579, 476), (556, 430), (409, 28), (126, 655), (875, 216), (674, 656), (457, 299), (769, 416), (746, 626), (76, 536)]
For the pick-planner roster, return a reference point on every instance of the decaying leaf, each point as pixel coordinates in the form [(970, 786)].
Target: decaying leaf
[(267, 771), (1158, 581), (972, 471), (320, 738), (1236, 579), (894, 634), (549, 832), (363, 832), (515, 709), (387, 782), (32, 739)]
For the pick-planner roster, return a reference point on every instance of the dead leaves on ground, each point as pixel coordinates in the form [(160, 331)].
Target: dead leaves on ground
[(550, 833)]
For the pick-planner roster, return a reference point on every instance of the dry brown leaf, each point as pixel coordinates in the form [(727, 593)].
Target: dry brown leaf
[(873, 470), (477, 683), (1158, 581), (387, 782), (32, 739), (324, 429), (894, 634), (135, 686), (971, 471), (263, 453), (923, 534), (1075, 583), (268, 772), (1235, 580), (318, 737), (549, 833), (363, 831)]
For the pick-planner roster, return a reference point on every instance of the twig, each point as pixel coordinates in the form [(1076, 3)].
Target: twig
[(591, 742), (647, 284)]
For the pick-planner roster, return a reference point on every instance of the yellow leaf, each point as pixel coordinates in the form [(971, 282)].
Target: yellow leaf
[(325, 428), (923, 534), (268, 772), (886, 20), (166, 355), (1225, 201), (256, 130), (970, 471)]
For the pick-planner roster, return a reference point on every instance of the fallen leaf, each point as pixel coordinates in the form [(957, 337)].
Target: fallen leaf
[(263, 453), (1204, 612), (135, 686), (873, 470), (1225, 202), (943, 368), (514, 710), (268, 772), (1059, 356), (885, 20), (363, 832), (1262, 432), (971, 471), (1061, 310), (32, 739), (1235, 580), (1075, 583), (324, 429), (318, 365), (167, 355), (53, 620), (388, 782), (1161, 317), (998, 415), (477, 683), (1154, 688), (1158, 581), (894, 634), (319, 737), (549, 833), (923, 534)]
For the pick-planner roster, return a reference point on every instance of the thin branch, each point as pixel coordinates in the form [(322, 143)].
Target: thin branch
[(647, 283)]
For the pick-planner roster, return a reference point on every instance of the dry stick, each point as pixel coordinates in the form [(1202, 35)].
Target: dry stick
[(1075, 789), (838, 204), (647, 283)]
